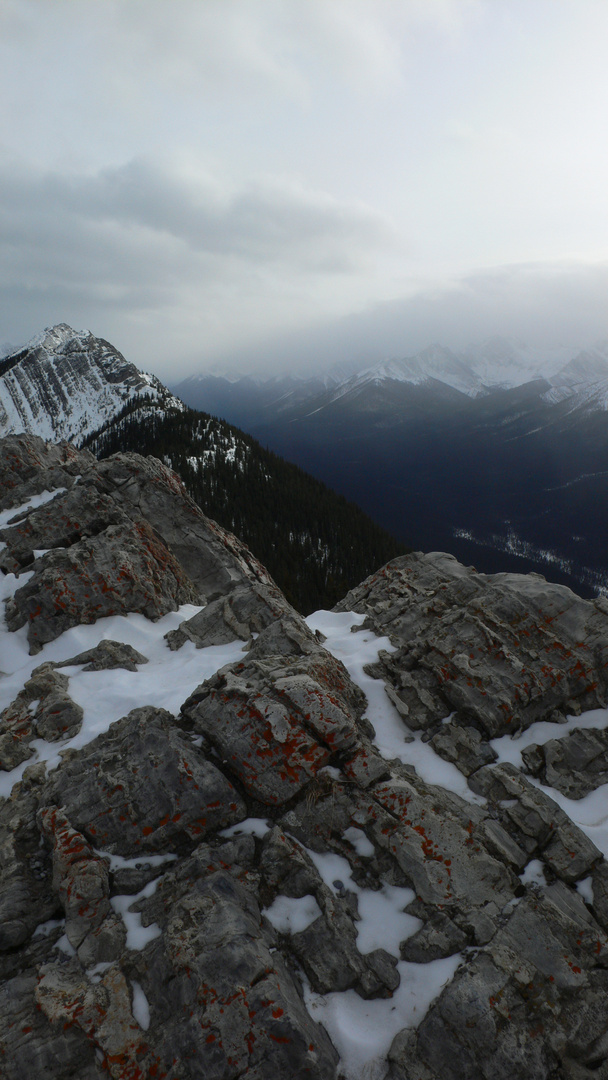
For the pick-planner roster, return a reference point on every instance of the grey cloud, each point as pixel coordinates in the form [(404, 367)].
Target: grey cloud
[(141, 239), (267, 218), (240, 45)]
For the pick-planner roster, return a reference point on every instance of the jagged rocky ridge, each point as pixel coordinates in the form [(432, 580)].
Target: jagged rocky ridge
[(207, 812)]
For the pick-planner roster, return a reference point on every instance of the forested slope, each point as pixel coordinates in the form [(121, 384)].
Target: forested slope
[(316, 544)]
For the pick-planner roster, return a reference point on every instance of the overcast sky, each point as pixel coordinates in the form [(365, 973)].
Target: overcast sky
[(288, 182)]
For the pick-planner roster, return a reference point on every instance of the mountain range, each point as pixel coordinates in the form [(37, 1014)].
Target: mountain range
[(495, 363), (68, 384), (499, 454)]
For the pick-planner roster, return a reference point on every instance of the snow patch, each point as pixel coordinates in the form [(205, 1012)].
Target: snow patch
[(250, 827), (138, 935), (358, 649), (362, 1031), (290, 915), (106, 696), (360, 842), (140, 1006), (534, 873)]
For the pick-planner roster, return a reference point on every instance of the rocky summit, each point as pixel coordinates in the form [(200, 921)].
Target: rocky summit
[(235, 843)]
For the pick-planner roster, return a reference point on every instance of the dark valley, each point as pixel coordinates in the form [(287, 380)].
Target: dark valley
[(506, 477)]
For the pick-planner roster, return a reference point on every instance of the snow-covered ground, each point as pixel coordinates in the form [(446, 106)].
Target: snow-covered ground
[(362, 1031), (393, 738)]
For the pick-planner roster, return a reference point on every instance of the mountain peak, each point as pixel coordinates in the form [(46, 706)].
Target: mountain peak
[(57, 334), (65, 383)]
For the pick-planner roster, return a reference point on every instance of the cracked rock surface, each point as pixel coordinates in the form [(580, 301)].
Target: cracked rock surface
[(186, 893), (499, 652)]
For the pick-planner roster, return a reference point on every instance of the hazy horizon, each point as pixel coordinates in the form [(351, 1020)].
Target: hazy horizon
[(305, 182)]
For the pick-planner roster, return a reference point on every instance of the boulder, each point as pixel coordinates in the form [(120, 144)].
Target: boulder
[(575, 764), (106, 656), (529, 1005), (499, 652), (539, 824), (81, 880), (126, 568), (244, 612), (277, 720), (143, 787), (27, 897), (43, 709), (29, 466)]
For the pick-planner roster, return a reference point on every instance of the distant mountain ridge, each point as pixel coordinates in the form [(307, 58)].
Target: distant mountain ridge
[(493, 364)]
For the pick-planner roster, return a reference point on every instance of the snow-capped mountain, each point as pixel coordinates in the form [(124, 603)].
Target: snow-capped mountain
[(65, 384), (499, 362), (583, 381), (494, 364), (459, 451), (71, 385), (436, 363)]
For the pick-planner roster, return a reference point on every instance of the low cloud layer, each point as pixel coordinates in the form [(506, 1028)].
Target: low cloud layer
[(547, 306)]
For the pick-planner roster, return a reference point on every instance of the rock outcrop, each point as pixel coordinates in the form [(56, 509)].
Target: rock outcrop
[(188, 892), (498, 652)]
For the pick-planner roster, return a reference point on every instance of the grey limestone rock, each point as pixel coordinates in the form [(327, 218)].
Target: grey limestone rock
[(105, 656), (327, 948), (244, 612), (142, 787), (29, 466), (16, 733), (464, 746), (127, 568), (499, 651), (69, 517), (32, 1046), (81, 881), (516, 1009), (43, 709), (437, 844), (277, 720), (575, 764), (439, 937), (26, 894), (171, 552), (539, 823), (221, 990), (138, 815), (101, 1010), (212, 558)]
